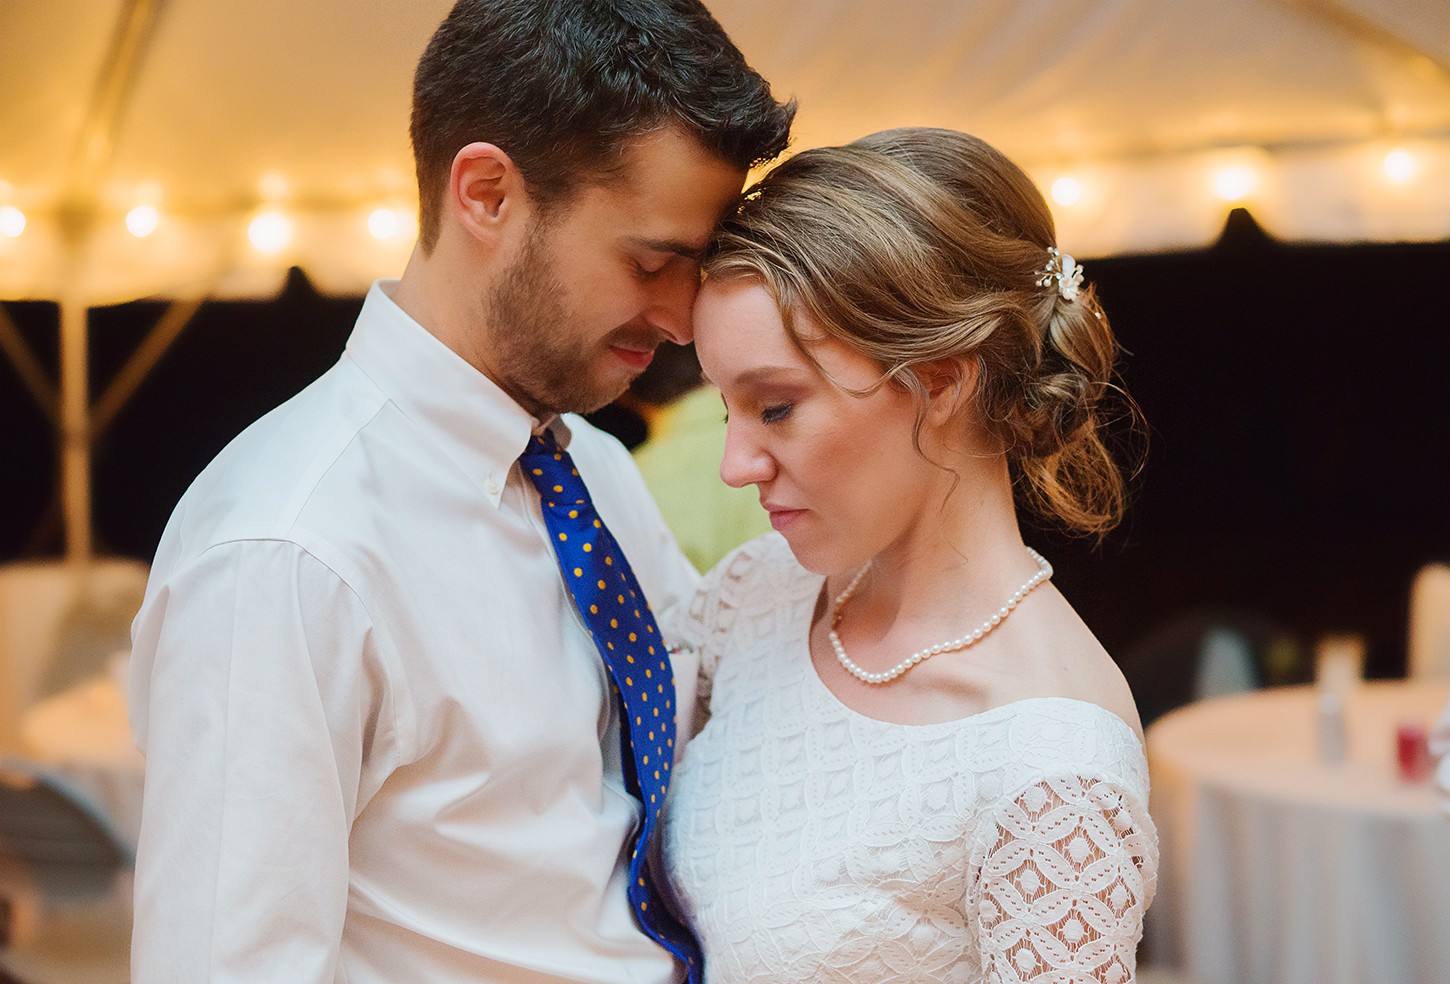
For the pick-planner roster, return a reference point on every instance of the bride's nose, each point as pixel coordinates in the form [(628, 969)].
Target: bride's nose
[(745, 461)]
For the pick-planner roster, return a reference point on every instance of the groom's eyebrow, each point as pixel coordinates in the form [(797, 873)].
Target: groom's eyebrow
[(690, 251)]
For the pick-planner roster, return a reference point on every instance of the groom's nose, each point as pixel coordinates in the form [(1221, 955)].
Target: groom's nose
[(672, 299)]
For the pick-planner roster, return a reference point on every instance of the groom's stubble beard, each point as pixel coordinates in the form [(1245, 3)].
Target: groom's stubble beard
[(541, 349)]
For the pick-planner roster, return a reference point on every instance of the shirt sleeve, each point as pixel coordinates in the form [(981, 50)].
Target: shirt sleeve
[(260, 700), (1068, 872)]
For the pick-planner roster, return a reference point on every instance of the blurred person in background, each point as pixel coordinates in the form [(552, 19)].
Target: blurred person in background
[(680, 461)]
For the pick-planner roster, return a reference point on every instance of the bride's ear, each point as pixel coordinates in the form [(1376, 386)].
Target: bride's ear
[(951, 384)]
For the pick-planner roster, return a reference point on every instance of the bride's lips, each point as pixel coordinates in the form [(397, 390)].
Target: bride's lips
[(635, 358), (781, 517)]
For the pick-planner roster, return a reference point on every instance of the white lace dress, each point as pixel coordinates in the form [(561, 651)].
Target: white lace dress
[(807, 842)]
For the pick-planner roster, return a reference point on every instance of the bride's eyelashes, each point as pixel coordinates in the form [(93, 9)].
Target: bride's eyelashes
[(775, 414)]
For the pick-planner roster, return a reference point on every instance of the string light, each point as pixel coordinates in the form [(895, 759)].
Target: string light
[(142, 220), (1399, 165), (1066, 191), (270, 232), (1234, 182), (12, 221), (383, 223)]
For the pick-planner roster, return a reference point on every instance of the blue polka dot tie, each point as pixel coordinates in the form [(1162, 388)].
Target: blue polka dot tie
[(622, 626)]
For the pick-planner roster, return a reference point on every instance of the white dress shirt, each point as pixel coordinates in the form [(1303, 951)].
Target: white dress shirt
[(380, 745)]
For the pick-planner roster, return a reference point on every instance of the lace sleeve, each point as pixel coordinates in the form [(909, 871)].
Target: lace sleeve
[(1064, 884), (707, 623)]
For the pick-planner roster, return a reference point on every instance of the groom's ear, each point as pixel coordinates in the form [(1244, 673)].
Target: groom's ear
[(486, 193)]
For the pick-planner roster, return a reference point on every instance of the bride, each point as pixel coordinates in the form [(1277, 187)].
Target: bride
[(914, 762)]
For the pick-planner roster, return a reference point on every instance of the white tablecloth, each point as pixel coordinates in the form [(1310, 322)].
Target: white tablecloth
[(1279, 869)]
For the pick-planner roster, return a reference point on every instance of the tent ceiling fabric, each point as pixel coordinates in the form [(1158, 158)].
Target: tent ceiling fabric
[(1142, 102)]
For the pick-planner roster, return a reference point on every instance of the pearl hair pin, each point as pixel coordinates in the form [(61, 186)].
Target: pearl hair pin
[(976, 635)]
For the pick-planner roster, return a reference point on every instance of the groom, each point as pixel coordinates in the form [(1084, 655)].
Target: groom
[(382, 743)]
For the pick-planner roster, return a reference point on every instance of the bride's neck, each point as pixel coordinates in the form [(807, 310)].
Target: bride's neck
[(952, 559)]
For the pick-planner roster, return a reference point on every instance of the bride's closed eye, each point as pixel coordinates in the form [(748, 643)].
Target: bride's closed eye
[(775, 414)]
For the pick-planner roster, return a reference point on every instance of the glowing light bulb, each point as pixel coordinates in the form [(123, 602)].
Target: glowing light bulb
[(142, 220), (383, 223), (1066, 191), (1399, 165), (1233, 183), (12, 221), (270, 231)]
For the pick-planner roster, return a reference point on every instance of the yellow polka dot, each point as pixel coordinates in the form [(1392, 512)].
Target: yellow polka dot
[(651, 799), (538, 471), (639, 720), (614, 623), (610, 645), (576, 471), (563, 536), (601, 584), (657, 773), (667, 703), (588, 547), (558, 457), (670, 742), (578, 572), (573, 514), (644, 696), (651, 649), (598, 524), (609, 561), (662, 686), (628, 682), (667, 767), (646, 760), (558, 488), (633, 637), (648, 673), (630, 658), (649, 628), (636, 613), (651, 736), (594, 609), (621, 597), (657, 710)]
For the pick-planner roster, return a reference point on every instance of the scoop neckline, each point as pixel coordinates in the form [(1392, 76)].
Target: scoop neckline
[(802, 648)]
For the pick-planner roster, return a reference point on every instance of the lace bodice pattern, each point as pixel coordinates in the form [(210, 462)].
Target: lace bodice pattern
[(807, 842)]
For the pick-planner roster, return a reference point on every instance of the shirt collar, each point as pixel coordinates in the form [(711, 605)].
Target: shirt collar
[(479, 426)]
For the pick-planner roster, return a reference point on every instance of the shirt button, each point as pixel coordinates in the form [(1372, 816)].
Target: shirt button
[(492, 486)]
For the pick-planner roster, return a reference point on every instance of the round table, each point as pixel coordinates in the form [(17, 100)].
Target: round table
[(1278, 868)]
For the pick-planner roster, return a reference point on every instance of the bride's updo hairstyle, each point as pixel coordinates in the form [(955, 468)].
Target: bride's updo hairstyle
[(919, 247)]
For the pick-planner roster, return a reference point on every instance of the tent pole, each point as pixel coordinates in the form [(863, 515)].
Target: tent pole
[(74, 431)]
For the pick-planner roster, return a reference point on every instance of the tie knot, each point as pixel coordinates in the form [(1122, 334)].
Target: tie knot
[(543, 444)]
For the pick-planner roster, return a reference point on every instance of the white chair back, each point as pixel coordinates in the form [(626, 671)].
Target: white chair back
[(36, 599)]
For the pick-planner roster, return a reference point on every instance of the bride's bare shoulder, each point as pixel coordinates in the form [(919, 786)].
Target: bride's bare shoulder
[(1064, 659)]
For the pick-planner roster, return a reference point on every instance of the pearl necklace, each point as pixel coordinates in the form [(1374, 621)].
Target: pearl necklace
[(1044, 572)]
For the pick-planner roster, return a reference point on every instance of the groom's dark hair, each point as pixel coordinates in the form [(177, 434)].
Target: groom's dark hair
[(562, 85)]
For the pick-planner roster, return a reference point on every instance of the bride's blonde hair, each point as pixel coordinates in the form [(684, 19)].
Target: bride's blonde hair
[(919, 247)]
